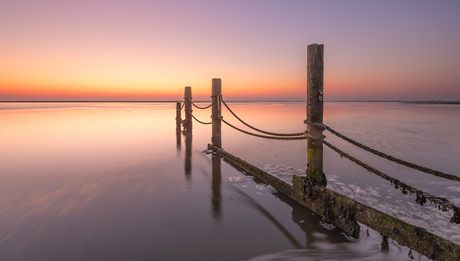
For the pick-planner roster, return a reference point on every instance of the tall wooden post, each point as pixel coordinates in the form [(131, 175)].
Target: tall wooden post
[(216, 114), (178, 115), (315, 73), (178, 123), (188, 108)]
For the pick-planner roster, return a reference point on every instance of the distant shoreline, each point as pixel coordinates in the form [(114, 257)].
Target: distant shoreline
[(434, 102), (408, 102)]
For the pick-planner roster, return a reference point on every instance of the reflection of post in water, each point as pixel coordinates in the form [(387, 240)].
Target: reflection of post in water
[(178, 141), (178, 126), (307, 222), (248, 200), (216, 184), (188, 155)]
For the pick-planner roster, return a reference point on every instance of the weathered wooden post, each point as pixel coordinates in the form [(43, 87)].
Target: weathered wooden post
[(216, 114), (178, 115), (178, 123), (188, 108), (315, 73)]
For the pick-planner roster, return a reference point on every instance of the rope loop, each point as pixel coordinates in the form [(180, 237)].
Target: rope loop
[(264, 136), (206, 123), (320, 125), (386, 156), (266, 132), (421, 195), (201, 108)]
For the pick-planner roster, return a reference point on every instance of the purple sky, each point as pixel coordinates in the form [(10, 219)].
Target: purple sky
[(405, 50)]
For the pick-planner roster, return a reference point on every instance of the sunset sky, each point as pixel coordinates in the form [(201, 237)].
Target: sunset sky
[(151, 50)]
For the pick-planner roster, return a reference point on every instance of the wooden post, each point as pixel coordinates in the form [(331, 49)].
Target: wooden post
[(188, 108), (178, 115), (216, 106), (178, 123), (315, 72)]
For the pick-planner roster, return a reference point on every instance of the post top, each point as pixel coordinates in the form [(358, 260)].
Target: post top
[(188, 91), (216, 86)]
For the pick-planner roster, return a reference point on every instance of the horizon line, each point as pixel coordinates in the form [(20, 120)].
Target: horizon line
[(246, 101)]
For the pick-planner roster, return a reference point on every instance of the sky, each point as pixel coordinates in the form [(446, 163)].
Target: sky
[(150, 50)]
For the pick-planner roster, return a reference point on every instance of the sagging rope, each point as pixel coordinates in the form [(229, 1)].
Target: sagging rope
[(421, 195), (271, 137), (386, 156), (266, 132), (201, 108), (201, 121)]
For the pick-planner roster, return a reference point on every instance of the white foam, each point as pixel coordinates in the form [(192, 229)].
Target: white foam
[(284, 173), (264, 187), (327, 225), (240, 179), (455, 189)]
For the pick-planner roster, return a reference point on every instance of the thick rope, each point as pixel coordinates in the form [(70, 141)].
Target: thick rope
[(268, 137), (386, 156), (201, 108), (421, 196), (183, 104), (266, 132), (201, 121)]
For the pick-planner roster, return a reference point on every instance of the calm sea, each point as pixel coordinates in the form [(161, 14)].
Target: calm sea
[(113, 181)]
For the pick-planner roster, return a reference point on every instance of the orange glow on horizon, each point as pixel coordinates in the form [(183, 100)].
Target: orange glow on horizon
[(87, 50)]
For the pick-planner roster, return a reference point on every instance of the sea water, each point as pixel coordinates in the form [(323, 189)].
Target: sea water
[(114, 181)]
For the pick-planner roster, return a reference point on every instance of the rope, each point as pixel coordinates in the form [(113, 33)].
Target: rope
[(183, 104), (268, 137), (266, 132), (201, 108), (200, 121), (421, 195), (386, 156)]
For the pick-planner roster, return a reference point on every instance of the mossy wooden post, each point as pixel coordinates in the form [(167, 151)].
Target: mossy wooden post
[(216, 106), (188, 108), (315, 72)]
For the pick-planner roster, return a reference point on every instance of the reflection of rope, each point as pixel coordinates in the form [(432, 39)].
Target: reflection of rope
[(200, 121), (268, 137), (202, 108), (266, 132), (404, 187), (386, 156)]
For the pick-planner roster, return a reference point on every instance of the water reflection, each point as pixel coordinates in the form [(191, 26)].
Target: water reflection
[(94, 181), (188, 156), (254, 204), (307, 221), (216, 188), (178, 139)]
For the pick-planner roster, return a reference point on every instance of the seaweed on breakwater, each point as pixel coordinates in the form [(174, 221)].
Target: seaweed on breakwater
[(345, 212)]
